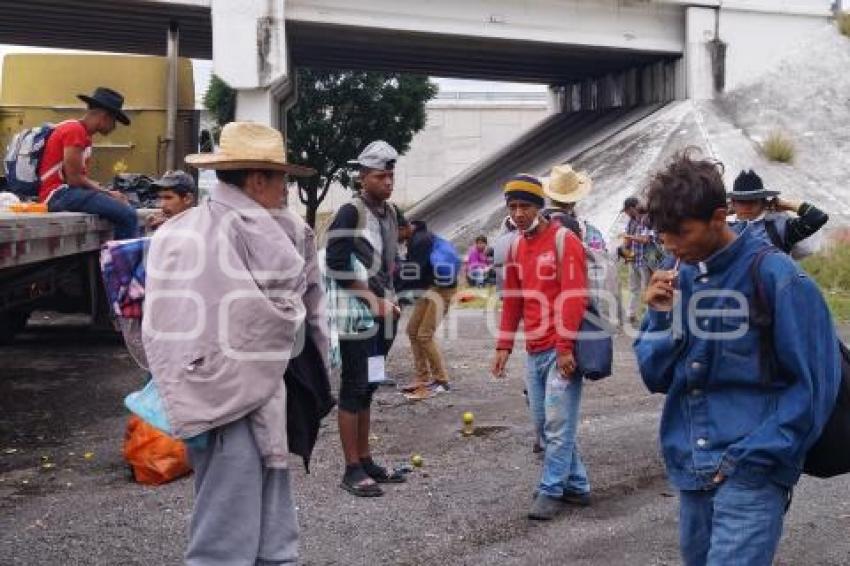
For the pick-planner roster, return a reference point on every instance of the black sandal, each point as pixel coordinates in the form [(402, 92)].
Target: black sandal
[(380, 474), (353, 482)]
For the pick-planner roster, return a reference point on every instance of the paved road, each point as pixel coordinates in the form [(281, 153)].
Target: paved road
[(60, 398)]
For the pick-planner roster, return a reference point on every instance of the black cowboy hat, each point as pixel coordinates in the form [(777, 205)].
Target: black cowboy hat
[(109, 100), (748, 186)]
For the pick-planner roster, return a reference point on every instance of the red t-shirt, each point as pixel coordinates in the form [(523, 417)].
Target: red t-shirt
[(550, 306), (67, 134)]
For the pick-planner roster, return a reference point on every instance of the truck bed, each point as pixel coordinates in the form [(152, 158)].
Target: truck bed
[(31, 238)]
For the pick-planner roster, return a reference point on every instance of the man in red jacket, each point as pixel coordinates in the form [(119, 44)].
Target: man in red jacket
[(548, 293)]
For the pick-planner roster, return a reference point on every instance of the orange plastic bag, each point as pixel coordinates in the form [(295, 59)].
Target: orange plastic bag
[(155, 457)]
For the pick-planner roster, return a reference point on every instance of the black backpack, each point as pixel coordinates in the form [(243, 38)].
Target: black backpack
[(830, 455)]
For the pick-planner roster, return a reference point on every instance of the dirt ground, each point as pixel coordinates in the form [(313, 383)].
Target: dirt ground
[(66, 496)]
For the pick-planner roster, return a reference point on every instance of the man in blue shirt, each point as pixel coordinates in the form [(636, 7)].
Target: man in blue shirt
[(735, 427)]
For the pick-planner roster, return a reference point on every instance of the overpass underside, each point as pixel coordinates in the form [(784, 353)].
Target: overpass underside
[(596, 93), (582, 77)]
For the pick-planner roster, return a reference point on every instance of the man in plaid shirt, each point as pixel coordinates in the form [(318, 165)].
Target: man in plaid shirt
[(638, 235)]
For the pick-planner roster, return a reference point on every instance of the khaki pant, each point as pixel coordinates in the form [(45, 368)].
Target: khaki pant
[(638, 281), (428, 313)]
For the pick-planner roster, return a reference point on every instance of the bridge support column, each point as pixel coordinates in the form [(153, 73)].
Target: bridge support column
[(249, 53), (700, 27)]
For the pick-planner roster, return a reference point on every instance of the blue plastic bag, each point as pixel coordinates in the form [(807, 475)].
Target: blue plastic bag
[(147, 404)]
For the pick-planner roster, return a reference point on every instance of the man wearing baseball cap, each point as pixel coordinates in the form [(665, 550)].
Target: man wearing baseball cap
[(177, 193), (548, 294), (365, 230)]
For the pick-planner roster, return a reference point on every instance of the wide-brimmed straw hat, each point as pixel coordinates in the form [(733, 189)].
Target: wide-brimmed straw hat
[(566, 185), (248, 145)]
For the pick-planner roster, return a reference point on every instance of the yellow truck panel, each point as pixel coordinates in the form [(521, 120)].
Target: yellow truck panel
[(39, 88)]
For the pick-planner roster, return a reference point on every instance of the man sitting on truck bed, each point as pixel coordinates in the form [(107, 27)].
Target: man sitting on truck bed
[(65, 185)]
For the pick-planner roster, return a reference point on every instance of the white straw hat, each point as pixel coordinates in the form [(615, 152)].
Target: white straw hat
[(248, 145)]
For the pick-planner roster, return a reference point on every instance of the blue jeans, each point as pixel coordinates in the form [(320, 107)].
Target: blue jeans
[(74, 199), (735, 524), (554, 404)]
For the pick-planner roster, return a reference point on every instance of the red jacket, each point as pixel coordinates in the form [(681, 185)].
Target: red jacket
[(550, 307)]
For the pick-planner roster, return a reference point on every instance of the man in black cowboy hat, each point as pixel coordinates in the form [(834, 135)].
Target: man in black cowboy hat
[(65, 184), (768, 215)]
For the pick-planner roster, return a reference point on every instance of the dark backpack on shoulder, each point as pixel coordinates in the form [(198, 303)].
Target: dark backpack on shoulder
[(830, 455)]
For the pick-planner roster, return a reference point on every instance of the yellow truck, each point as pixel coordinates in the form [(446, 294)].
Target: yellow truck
[(50, 261), (39, 88)]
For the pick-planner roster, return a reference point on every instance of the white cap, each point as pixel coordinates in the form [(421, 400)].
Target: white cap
[(377, 155)]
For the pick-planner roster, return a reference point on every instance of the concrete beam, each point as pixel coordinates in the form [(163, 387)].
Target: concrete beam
[(647, 26)]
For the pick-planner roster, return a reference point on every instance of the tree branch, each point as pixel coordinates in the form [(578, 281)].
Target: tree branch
[(328, 183)]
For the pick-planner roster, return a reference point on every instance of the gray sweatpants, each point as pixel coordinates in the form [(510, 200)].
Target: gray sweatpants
[(243, 513)]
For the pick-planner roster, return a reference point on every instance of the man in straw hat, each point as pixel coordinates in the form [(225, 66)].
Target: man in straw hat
[(769, 216), (65, 183), (227, 291), (537, 282), (565, 187)]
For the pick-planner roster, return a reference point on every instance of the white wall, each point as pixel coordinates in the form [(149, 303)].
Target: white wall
[(457, 136), (759, 41)]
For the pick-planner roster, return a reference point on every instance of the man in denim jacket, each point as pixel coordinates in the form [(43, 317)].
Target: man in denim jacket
[(734, 433)]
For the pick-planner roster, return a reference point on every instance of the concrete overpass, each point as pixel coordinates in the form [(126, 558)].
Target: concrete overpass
[(586, 46)]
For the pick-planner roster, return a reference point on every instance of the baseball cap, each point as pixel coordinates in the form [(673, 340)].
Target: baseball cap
[(377, 155), (178, 181)]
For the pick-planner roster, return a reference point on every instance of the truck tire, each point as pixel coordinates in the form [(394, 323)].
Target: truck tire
[(12, 323)]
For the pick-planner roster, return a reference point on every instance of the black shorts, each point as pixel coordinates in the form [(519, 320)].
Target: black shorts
[(355, 391)]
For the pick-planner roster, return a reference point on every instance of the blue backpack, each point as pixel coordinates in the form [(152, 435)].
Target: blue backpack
[(445, 261), (22, 160)]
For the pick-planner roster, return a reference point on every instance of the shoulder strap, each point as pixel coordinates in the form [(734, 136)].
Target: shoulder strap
[(774, 235), (560, 239), (761, 315), (360, 205), (514, 247)]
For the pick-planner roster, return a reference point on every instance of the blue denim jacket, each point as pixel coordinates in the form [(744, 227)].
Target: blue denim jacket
[(722, 413)]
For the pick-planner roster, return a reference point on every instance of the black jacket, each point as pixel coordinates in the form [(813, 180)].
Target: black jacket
[(415, 272), (809, 220), (308, 399)]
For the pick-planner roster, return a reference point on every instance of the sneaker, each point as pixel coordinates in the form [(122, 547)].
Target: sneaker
[(414, 386), (439, 387), (545, 508), (419, 394), (575, 498)]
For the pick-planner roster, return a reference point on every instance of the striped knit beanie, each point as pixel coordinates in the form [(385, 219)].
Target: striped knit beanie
[(526, 188)]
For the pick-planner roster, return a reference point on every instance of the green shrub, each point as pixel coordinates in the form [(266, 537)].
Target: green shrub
[(831, 269), (778, 147)]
